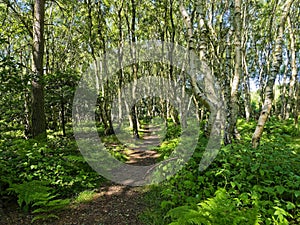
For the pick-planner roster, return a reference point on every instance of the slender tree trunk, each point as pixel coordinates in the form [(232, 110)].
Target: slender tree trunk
[(262, 85), (191, 46), (291, 102), (237, 71), (246, 90), (38, 110), (269, 95), (174, 112), (201, 95), (63, 120), (134, 71), (283, 94), (173, 29), (106, 93), (103, 116), (203, 30), (226, 88), (121, 74), (297, 107), (246, 77)]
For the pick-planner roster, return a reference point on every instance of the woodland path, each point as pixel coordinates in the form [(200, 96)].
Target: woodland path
[(113, 204)]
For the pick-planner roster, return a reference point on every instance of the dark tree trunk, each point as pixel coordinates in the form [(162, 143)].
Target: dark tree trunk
[(133, 110), (38, 111)]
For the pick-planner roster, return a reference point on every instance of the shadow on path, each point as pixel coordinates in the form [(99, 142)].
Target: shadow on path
[(113, 204)]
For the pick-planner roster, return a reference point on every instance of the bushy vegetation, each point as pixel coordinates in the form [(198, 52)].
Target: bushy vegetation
[(242, 186), (40, 174), (56, 55), (220, 209), (39, 195)]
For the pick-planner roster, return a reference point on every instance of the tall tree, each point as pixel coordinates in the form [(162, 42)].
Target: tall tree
[(291, 101), (246, 77), (132, 31), (234, 107), (38, 110), (277, 60)]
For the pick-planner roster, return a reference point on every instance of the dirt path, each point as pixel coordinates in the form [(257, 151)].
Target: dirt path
[(141, 154), (113, 204)]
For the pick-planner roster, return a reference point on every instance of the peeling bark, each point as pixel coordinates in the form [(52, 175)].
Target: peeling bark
[(291, 101), (277, 60)]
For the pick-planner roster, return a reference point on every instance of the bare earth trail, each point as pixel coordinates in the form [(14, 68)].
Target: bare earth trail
[(113, 204)]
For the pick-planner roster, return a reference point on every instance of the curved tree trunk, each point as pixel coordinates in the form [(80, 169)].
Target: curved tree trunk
[(269, 95)]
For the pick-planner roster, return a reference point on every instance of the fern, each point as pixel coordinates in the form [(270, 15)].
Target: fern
[(43, 217), (220, 210), (30, 192), (37, 194)]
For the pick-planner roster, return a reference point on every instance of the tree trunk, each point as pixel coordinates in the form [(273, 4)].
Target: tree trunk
[(291, 102), (226, 89), (247, 96), (269, 95), (133, 110), (233, 133), (63, 121), (121, 74), (283, 94), (296, 112), (105, 86), (38, 111), (207, 96), (246, 77)]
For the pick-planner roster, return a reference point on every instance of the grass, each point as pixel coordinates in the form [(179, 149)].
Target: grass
[(85, 196)]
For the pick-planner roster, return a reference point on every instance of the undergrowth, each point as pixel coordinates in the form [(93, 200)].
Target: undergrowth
[(43, 175), (258, 186)]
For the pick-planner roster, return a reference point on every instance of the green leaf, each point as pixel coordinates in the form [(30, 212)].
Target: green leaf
[(280, 189), (290, 206), (262, 172), (165, 204)]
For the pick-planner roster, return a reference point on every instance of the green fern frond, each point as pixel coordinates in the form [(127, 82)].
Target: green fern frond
[(219, 210), (43, 217), (179, 212), (36, 194)]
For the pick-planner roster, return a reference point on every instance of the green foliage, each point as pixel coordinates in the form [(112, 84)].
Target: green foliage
[(280, 216), (85, 196), (80, 31), (59, 90), (114, 147), (30, 192), (13, 88), (173, 131), (38, 195), (57, 161), (171, 140), (153, 214), (266, 178), (219, 210)]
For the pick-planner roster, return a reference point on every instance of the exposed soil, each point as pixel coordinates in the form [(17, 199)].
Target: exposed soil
[(113, 204)]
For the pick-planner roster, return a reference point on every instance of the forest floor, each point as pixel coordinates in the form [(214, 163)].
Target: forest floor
[(112, 204)]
